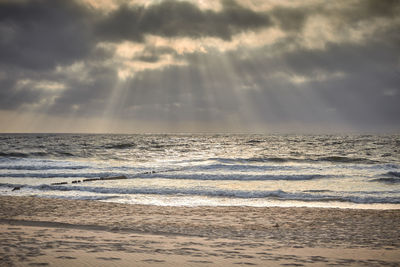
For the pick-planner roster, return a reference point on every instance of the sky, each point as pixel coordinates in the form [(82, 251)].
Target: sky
[(259, 66)]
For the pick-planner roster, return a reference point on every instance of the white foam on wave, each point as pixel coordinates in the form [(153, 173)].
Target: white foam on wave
[(225, 169)]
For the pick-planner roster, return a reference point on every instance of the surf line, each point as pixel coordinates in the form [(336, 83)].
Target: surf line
[(93, 179), (121, 177), (84, 180)]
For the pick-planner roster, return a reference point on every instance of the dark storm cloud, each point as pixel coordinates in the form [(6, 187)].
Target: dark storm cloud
[(360, 95), (42, 34), (178, 18), (37, 36), (359, 81), (181, 93), (343, 81), (370, 9), (346, 58), (11, 99), (291, 19), (353, 84), (294, 18), (87, 97)]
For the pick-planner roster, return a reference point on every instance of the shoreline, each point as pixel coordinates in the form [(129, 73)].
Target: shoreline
[(190, 202), (196, 236), (280, 204)]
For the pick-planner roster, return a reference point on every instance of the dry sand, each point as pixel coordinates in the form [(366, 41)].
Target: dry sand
[(40, 232)]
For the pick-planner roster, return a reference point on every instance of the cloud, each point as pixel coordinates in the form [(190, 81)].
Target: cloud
[(318, 23), (339, 13), (291, 19), (154, 54), (42, 34), (178, 19), (87, 97), (370, 9), (232, 67)]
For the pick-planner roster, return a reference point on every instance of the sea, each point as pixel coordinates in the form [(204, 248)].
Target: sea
[(341, 171)]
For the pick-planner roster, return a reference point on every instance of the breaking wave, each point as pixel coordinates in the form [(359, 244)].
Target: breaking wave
[(273, 194), (333, 159)]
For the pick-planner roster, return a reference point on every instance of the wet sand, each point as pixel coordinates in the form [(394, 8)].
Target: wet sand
[(40, 232)]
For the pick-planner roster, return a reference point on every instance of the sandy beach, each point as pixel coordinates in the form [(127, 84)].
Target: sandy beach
[(56, 232)]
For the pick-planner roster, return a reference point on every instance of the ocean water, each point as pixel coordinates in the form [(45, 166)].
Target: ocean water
[(346, 171)]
